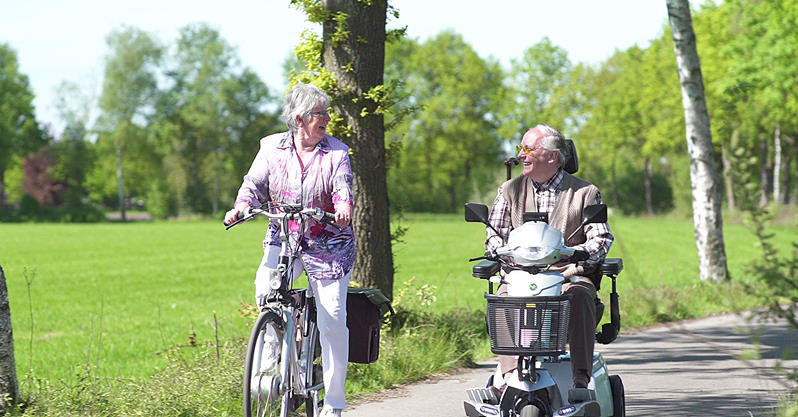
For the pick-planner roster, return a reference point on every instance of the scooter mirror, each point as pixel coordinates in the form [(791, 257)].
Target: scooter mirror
[(596, 213), (475, 212)]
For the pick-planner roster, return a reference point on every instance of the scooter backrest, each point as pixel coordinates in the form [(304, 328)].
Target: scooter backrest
[(572, 164)]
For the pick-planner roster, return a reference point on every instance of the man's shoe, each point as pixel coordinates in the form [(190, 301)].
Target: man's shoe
[(580, 395), (497, 391), (328, 411)]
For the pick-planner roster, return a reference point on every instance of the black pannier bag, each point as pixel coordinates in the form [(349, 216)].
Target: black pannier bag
[(366, 311)]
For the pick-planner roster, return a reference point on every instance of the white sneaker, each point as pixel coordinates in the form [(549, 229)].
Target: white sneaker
[(328, 411)]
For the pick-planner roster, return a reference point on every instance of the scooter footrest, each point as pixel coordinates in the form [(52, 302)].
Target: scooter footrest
[(483, 395), (581, 395)]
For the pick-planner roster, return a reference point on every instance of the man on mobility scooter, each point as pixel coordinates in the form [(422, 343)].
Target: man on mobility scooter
[(569, 213), (545, 187)]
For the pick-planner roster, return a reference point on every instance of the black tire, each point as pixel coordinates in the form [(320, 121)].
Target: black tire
[(312, 366), (618, 396), (254, 403), (530, 411), (535, 405)]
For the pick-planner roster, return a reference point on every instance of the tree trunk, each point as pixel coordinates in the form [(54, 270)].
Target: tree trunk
[(795, 181), (8, 369), (647, 181), (777, 191), (727, 177), (217, 188), (614, 182), (357, 62), (764, 173), (790, 191), (2, 188), (120, 182), (707, 217)]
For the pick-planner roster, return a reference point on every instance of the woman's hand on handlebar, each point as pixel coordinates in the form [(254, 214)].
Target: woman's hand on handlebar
[(343, 214), (235, 213)]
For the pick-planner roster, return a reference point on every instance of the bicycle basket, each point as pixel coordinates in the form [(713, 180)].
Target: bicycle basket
[(529, 326)]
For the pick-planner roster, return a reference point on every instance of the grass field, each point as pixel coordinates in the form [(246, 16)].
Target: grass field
[(118, 296)]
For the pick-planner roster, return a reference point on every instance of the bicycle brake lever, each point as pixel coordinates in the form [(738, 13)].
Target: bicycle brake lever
[(242, 216), (324, 217)]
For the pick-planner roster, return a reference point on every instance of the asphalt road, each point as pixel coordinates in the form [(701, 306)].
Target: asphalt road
[(686, 369)]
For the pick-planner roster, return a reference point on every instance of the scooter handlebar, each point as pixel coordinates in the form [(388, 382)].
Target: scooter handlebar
[(579, 255)]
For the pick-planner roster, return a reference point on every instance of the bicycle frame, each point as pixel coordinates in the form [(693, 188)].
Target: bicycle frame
[(296, 362)]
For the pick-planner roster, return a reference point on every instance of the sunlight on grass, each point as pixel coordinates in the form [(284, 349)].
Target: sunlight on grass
[(118, 296)]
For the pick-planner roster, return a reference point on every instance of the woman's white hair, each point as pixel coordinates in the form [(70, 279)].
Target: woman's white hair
[(300, 101), (553, 140)]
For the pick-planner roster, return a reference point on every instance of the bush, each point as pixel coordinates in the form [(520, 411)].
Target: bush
[(9, 214), (28, 206), (160, 201), (73, 210)]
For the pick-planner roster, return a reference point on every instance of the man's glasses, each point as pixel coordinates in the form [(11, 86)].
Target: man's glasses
[(527, 150)]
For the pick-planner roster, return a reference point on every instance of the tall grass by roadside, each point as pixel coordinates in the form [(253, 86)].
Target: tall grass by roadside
[(205, 379)]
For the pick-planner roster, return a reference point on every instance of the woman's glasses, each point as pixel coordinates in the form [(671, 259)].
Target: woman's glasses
[(320, 114)]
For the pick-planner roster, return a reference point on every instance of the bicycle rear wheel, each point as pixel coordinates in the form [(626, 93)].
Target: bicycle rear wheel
[(261, 385)]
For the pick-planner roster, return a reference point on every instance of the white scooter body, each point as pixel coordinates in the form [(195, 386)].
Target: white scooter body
[(552, 373)]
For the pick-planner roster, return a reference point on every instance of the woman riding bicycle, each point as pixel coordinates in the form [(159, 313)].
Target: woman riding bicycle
[(306, 167)]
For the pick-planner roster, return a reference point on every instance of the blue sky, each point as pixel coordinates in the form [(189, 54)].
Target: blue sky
[(65, 40)]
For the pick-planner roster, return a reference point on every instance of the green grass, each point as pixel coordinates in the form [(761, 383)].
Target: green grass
[(146, 287), (660, 281)]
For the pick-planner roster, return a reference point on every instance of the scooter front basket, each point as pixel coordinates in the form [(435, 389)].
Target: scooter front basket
[(529, 326)]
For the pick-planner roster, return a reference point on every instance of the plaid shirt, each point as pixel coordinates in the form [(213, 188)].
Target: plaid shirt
[(599, 237)]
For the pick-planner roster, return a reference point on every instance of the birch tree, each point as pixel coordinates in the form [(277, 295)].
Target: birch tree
[(129, 87), (8, 370), (705, 180)]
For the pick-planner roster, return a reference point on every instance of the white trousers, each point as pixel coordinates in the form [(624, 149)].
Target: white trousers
[(331, 318)]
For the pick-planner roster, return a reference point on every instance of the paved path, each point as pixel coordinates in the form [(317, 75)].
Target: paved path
[(686, 369)]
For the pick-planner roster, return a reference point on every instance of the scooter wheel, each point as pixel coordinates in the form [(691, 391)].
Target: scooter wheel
[(530, 411), (618, 397)]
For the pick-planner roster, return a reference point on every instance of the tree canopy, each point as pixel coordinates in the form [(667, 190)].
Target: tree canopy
[(186, 116)]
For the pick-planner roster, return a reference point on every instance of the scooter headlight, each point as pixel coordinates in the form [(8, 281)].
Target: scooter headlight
[(532, 255)]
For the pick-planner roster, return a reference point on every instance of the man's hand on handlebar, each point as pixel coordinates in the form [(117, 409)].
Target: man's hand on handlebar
[(567, 269)]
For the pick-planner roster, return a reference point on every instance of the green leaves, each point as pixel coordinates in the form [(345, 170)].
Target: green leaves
[(19, 131), (450, 146)]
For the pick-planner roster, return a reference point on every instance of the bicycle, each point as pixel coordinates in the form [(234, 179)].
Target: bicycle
[(292, 375)]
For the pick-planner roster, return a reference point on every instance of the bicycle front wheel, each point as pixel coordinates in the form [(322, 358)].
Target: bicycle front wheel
[(261, 387)]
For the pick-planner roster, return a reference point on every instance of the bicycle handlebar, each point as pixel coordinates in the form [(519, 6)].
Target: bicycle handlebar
[(293, 213)]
